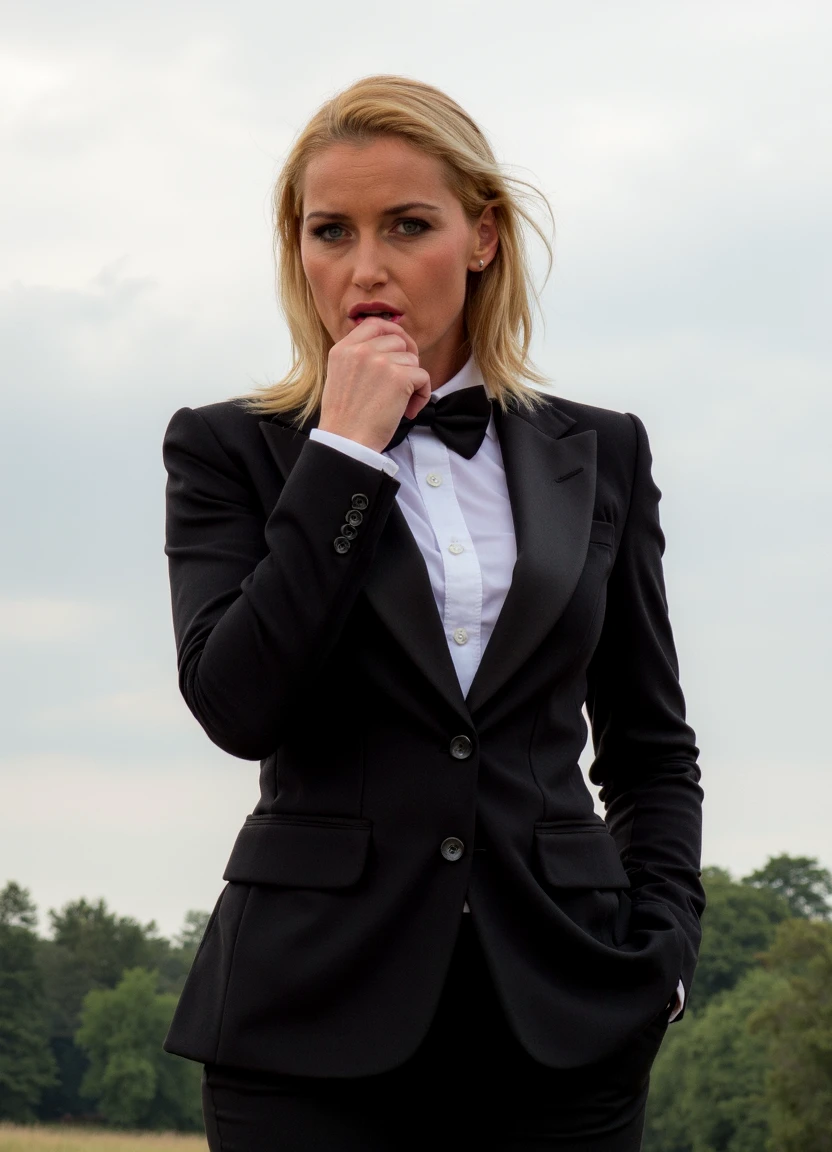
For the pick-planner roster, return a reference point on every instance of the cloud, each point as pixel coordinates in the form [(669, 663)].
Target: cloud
[(45, 621)]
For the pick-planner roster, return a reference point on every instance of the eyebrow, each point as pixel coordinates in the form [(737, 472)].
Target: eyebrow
[(394, 211)]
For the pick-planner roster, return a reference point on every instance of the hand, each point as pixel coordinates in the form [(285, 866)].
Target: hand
[(372, 381)]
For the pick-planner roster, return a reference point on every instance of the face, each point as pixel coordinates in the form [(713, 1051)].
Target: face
[(381, 231)]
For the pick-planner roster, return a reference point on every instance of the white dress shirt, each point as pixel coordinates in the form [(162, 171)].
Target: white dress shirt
[(460, 515)]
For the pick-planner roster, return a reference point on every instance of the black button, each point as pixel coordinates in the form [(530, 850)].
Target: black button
[(348, 532), (452, 849), (341, 545), (360, 501), (461, 747), (354, 517)]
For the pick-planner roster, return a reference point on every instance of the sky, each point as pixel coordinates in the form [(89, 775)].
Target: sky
[(684, 149)]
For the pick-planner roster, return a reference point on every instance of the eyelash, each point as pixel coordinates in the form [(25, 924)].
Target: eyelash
[(423, 227)]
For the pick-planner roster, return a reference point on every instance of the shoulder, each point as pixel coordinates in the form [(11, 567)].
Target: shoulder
[(621, 436), (230, 427)]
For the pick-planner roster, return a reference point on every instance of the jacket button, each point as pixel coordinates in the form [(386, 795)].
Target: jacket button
[(354, 517), (452, 848), (348, 532), (360, 501), (461, 747), (341, 545)]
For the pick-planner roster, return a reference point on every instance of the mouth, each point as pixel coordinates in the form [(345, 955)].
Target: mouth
[(364, 310)]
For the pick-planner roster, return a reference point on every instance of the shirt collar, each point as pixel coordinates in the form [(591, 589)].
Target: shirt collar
[(469, 376)]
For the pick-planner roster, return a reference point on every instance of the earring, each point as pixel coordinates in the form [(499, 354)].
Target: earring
[(482, 263)]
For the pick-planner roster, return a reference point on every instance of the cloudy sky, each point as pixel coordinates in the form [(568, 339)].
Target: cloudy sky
[(684, 148)]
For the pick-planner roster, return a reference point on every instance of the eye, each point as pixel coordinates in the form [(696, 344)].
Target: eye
[(325, 232), (412, 227)]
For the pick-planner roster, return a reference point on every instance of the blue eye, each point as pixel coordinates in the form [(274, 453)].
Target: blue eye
[(412, 227), (324, 231)]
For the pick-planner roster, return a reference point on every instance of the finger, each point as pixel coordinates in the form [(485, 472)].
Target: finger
[(371, 327), (420, 395), (391, 343)]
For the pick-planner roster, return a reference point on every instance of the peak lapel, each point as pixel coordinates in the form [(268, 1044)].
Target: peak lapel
[(398, 585), (551, 485)]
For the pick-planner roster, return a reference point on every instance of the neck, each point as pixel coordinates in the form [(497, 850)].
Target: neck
[(443, 367)]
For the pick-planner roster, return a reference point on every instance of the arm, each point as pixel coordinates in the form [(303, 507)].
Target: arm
[(645, 754), (256, 608)]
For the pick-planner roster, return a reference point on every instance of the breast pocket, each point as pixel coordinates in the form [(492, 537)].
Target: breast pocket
[(293, 851), (581, 868)]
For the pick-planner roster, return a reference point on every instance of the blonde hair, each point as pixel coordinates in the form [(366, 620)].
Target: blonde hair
[(498, 301)]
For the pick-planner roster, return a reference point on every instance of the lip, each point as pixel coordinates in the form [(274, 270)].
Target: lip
[(374, 306)]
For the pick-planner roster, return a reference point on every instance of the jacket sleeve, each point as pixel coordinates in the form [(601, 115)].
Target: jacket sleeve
[(645, 753), (258, 603)]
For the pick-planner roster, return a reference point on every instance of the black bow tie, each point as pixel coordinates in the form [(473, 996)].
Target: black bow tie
[(459, 420)]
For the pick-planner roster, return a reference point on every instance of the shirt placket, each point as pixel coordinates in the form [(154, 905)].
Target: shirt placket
[(462, 608)]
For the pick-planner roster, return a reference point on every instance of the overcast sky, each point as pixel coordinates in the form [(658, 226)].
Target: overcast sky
[(685, 150)]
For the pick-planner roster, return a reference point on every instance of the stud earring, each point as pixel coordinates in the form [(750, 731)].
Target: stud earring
[(482, 263)]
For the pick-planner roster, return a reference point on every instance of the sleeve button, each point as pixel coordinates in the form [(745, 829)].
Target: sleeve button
[(354, 517), (360, 501), (341, 545)]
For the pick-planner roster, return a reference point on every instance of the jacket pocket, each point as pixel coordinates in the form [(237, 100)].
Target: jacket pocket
[(578, 854), (583, 874), (299, 851)]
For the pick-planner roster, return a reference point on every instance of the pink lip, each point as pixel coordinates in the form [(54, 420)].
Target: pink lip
[(373, 306)]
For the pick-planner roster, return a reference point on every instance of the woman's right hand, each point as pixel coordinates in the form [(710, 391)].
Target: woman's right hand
[(373, 379)]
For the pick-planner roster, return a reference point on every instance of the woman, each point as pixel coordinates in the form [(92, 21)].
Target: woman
[(397, 577)]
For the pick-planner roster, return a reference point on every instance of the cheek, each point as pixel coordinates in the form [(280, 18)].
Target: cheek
[(444, 277)]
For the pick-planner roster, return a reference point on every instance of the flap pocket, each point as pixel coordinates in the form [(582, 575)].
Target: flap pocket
[(579, 856), (299, 851), (602, 532)]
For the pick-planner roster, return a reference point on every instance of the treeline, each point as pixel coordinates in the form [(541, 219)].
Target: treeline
[(749, 1069), (83, 1015)]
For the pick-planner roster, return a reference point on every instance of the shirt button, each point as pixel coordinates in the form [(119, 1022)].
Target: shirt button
[(460, 635), (452, 848), (456, 548), (461, 747), (434, 479)]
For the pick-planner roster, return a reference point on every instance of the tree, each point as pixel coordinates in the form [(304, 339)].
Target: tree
[(709, 1080), (27, 1066), (192, 930), (132, 1080), (800, 880), (738, 924), (91, 948), (796, 1022)]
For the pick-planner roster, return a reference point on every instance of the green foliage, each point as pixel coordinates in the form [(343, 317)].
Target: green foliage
[(26, 1063), (738, 924), (192, 931), (708, 1082), (133, 1082), (796, 1021), (16, 907), (801, 881)]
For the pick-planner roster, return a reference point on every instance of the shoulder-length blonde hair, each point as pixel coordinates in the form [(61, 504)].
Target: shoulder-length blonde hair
[(498, 302)]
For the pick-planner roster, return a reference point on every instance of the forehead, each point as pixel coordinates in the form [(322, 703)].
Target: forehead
[(386, 170)]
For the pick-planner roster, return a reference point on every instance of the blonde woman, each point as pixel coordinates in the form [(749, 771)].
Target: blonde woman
[(398, 576)]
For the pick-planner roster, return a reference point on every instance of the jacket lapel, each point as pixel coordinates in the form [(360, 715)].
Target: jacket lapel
[(551, 485), (398, 585)]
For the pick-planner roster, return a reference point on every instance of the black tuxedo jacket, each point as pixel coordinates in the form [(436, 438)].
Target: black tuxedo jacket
[(328, 946)]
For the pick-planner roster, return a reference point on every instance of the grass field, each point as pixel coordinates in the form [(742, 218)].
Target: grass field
[(69, 1139)]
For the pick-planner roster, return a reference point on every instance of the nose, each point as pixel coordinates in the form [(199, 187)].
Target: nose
[(369, 270)]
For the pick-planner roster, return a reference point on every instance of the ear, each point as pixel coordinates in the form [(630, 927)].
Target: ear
[(486, 242)]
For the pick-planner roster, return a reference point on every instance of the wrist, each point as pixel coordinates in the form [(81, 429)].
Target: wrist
[(357, 435)]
